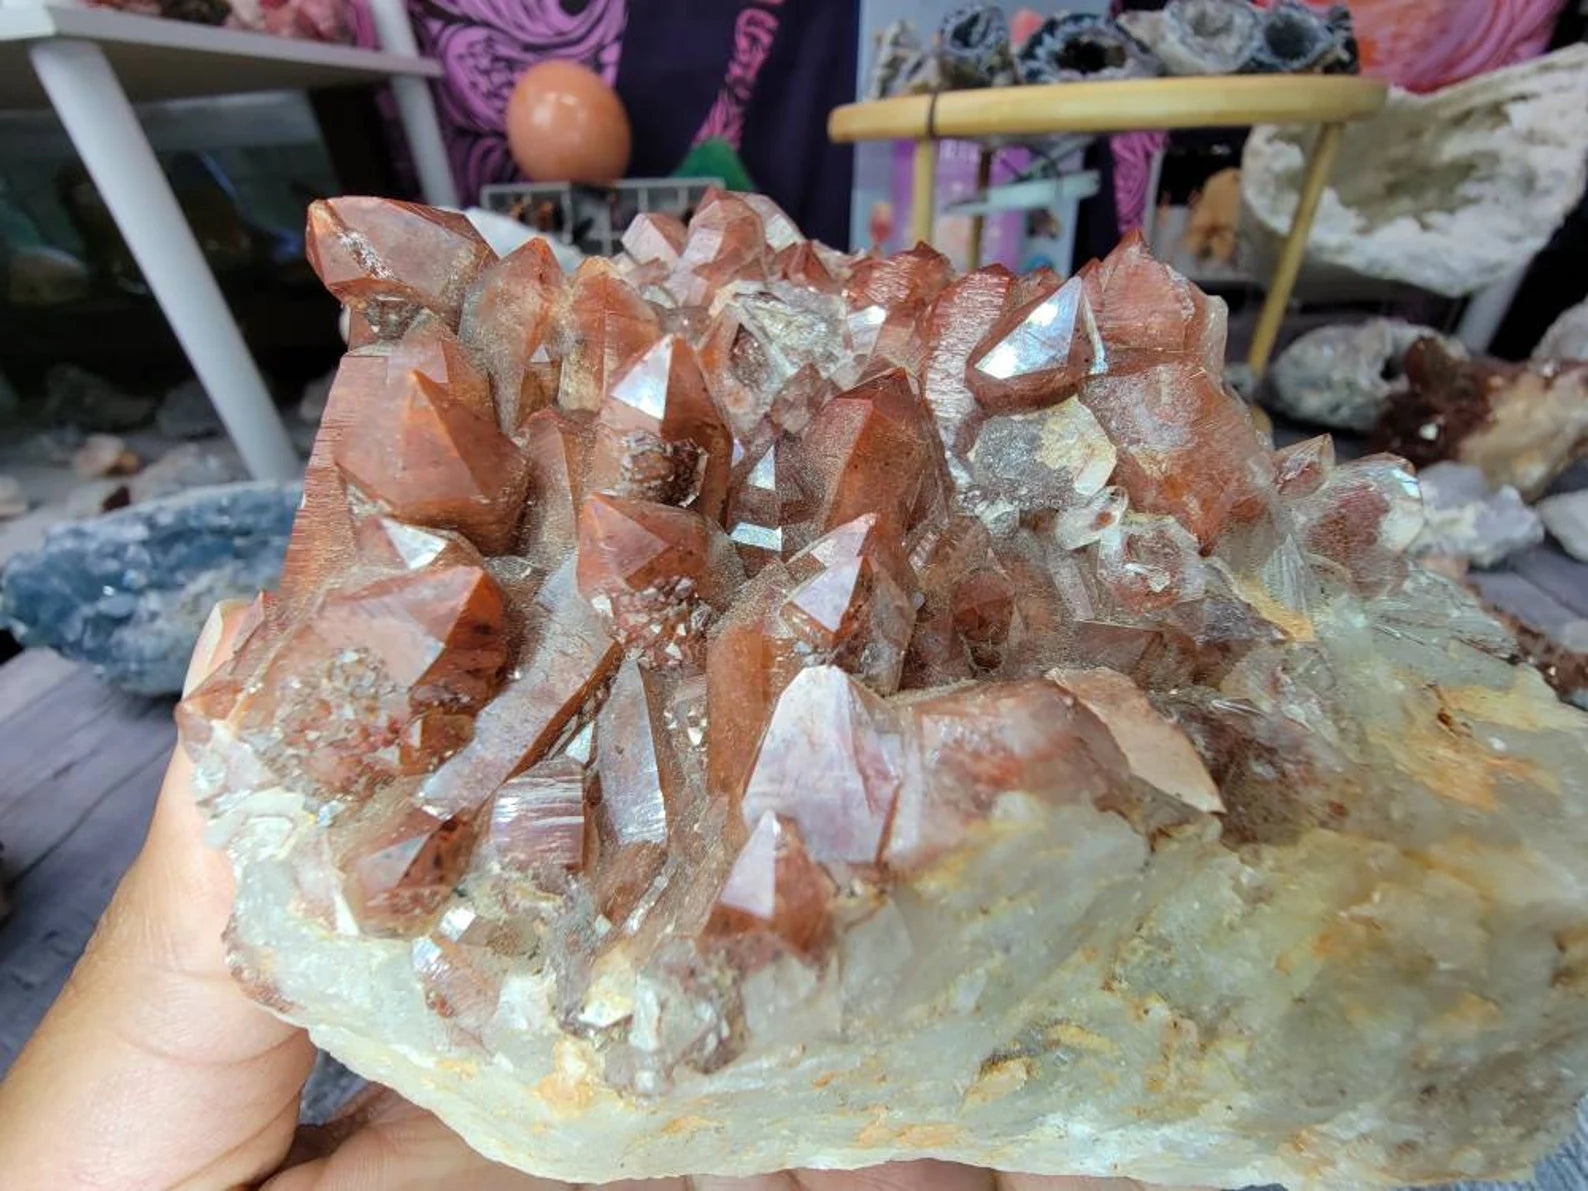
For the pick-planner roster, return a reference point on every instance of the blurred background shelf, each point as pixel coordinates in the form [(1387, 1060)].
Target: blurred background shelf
[(90, 65), (157, 58)]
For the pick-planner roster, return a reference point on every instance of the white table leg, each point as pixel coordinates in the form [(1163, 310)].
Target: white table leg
[(416, 107), (89, 99)]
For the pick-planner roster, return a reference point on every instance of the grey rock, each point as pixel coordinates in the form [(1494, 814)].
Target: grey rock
[(128, 592), (1566, 518), (1344, 376), (901, 63), (76, 397), (191, 465), (1575, 635), (1464, 518), (13, 501), (1450, 191), (186, 411), (1567, 337), (104, 455), (54, 447), (329, 1088)]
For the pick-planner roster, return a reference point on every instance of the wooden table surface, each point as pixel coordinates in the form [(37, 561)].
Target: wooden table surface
[(79, 767)]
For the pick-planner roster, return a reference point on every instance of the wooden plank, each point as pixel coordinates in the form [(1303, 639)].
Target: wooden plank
[(74, 775), (1523, 599), (1117, 105), (30, 675), (48, 734), (56, 905), (1563, 578)]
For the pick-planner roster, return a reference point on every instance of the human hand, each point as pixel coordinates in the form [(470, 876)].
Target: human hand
[(153, 1071)]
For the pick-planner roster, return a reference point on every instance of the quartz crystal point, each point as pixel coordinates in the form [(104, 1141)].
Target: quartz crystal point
[(958, 319), (387, 261), (1036, 353), (439, 461), (657, 574), (713, 721), (603, 324), (510, 321), (658, 436), (775, 886)]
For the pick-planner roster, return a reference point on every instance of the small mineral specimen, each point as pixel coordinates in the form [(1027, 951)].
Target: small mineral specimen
[(13, 500), (1195, 37), (1082, 47), (880, 714), (1465, 519), (104, 455), (1345, 376), (1293, 39), (1566, 518), (901, 64), (1521, 424), (1567, 337)]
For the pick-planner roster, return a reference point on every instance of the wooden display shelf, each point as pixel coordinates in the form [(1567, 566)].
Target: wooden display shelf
[(1121, 105), (1125, 105)]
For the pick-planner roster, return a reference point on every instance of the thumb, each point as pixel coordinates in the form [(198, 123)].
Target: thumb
[(153, 1069)]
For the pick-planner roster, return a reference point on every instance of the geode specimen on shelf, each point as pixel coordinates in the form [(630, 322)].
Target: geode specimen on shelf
[(1082, 47), (743, 706), (900, 65), (1193, 37), (973, 48), (1197, 37), (1294, 39)]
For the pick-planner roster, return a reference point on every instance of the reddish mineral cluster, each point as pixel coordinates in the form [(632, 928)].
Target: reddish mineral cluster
[(1521, 424), (679, 606)]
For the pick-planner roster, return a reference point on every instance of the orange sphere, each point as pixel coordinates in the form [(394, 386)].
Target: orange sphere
[(565, 125)]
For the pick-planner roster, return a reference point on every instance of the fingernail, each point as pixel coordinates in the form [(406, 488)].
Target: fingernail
[(199, 665)]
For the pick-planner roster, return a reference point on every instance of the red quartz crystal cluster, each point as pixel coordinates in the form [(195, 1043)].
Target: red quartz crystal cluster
[(683, 603)]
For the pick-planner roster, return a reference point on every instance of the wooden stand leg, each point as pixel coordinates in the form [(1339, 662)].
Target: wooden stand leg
[(923, 188), (984, 158), (1319, 165)]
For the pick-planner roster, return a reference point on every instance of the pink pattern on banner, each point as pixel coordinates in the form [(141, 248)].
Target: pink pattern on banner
[(484, 45), (753, 34), (1424, 45), (1133, 153), (1003, 232)]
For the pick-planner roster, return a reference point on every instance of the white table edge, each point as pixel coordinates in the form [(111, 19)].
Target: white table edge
[(39, 22)]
